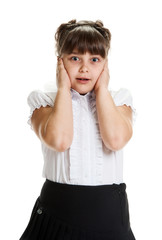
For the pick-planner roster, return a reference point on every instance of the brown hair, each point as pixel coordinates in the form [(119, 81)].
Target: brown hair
[(84, 36)]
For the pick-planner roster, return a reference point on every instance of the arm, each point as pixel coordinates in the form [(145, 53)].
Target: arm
[(115, 123), (54, 126)]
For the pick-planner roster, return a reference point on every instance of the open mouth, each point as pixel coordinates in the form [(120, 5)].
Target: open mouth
[(83, 79)]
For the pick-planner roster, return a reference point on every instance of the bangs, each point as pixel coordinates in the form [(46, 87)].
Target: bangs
[(84, 40)]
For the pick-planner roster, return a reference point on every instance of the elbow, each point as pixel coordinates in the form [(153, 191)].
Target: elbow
[(54, 139), (58, 144), (117, 143), (63, 145), (113, 144)]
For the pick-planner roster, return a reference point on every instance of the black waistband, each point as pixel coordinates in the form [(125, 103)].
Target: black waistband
[(107, 187), (54, 191)]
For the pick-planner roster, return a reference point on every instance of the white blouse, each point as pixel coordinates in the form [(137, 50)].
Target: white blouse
[(88, 161)]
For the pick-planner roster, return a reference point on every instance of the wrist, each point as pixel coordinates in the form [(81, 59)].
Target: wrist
[(100, 89), (64, 89)]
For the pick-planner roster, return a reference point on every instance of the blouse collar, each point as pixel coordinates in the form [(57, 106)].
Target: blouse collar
[(76, 94)]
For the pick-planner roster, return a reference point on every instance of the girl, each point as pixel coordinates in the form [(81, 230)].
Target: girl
[(83, 128)]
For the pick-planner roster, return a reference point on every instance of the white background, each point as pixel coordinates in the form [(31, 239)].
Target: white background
[(28, 61)]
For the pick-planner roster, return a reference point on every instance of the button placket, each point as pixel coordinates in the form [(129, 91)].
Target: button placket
[(85, 145), (75, 158), (82, 110)]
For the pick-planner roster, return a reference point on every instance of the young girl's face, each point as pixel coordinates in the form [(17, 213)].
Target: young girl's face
[(83, 70)]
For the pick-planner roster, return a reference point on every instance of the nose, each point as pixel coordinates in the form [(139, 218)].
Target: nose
[(83, 69)]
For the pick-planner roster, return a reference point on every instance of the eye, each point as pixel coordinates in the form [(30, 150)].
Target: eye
[(95, 59), (75, 58)]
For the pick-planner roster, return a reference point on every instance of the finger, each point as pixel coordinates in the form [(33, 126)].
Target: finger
[(106, 63), (59, 60), (106, 68), (59, 63), (60, 66)]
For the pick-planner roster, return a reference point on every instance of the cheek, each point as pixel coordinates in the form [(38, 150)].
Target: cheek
[(71, 71), (97, 73)]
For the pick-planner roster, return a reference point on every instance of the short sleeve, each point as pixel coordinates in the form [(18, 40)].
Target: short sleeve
[(37, 99), (124, 97)]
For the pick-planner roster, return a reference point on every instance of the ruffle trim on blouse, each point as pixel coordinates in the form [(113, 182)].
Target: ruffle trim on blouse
[(75, 159), (37, 99), (77, 162), (124, 97), (134, 112), (99, 160), (99, 152)]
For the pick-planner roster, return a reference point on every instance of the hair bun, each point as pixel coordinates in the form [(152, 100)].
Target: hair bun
[(72, 21), (99, 23)]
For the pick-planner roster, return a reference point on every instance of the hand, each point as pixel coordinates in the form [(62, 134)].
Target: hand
[(103, 79), (62, 77)]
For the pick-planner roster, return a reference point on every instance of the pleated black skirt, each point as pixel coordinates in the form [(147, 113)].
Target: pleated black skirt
[(76, 212)]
